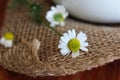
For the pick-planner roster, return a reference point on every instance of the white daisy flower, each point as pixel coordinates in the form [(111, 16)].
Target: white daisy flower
[(7, 40), (57, 15), (70, 42)]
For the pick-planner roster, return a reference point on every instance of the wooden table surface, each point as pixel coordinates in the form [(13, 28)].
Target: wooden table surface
[(109, 71)]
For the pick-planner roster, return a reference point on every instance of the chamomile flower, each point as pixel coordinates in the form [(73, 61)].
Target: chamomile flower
[(72, 43), (57, 15), (7, 40)]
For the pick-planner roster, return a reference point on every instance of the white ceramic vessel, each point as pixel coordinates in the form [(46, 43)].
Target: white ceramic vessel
[(101, 11)]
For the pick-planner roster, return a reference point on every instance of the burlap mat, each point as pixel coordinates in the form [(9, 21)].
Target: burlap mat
[(104, 47)]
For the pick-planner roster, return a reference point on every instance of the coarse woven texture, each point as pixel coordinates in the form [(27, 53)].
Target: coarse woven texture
[(35, 51)]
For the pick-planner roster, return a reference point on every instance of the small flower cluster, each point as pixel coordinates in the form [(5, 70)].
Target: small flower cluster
[(69, 43)]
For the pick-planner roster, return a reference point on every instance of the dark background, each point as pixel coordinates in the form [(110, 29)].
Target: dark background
[(110, 71)]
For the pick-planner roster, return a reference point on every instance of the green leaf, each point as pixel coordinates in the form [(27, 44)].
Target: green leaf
[(36, 11)]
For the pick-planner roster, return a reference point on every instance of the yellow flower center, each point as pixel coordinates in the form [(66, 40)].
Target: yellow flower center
[(9, 36), (74, 45), (58, 17)]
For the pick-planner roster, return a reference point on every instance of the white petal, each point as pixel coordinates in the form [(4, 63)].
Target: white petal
[(53, 24), (61, 42), (53, 9), (62, 45), (62, 23), (65, 15), (84, 44), (70, 34), (8, 43), (73, 33), (49, 16), (75, 54), (64, 51), (84, 49), (2, 41), (66, 36), (64, 39), (82, 37), (61, 8)]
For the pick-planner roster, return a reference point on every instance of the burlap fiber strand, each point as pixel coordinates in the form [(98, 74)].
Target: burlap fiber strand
[(27, 57)]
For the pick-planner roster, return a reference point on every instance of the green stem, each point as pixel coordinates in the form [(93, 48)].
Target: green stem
[(53, 29)]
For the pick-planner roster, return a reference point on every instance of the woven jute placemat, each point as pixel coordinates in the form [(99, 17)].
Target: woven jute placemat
[(28, 58)]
